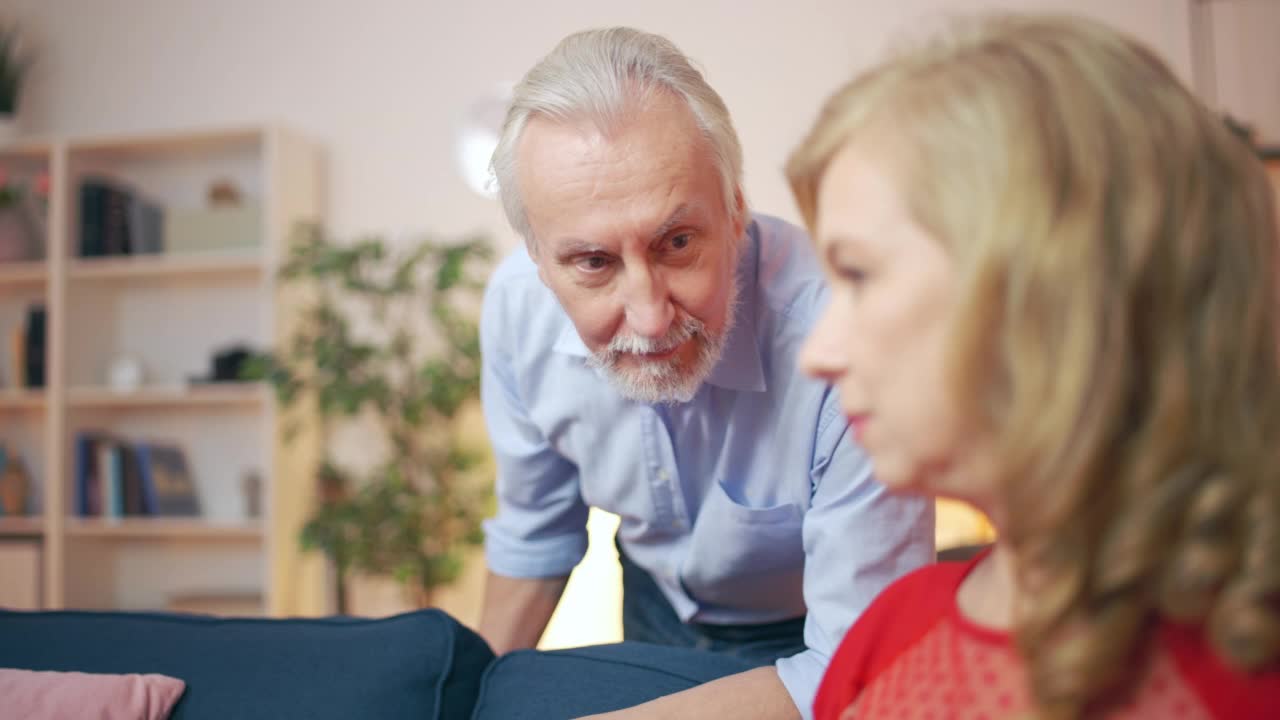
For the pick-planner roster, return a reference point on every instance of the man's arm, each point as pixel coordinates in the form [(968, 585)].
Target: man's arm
[(515, 611), (539, 533), (752, 695), (858, 538)]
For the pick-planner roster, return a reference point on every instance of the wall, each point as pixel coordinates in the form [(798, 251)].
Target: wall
[(1242, 62), (384, 84)]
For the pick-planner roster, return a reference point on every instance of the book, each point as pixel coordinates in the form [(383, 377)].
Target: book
[(167, 487), (146, 226), (87, 473), (33, 347), (92, 195), (17, 358), (115, 219), (134, 502)]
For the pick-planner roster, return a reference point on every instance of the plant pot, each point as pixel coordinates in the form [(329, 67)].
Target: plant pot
[(15, 485), (382, 595)]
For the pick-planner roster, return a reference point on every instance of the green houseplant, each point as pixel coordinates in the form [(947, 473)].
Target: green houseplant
[(414, 367)]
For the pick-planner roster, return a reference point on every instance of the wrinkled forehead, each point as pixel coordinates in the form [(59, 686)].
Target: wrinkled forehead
[(581, 183)]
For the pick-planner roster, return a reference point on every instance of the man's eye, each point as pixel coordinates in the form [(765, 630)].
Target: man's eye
[(593, 263), (681, 241)]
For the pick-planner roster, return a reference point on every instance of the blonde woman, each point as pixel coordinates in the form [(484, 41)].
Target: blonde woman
[(1053, 297)]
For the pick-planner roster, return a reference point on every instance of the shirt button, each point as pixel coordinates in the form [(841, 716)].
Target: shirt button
[(664, 475)]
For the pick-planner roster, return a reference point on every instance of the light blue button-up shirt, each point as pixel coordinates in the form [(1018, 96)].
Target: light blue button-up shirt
[(748, 504)]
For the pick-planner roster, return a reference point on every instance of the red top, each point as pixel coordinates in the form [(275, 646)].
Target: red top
[(912, 654)]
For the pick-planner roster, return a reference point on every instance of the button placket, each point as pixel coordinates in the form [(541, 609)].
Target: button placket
[(668, 475), (664, 512)]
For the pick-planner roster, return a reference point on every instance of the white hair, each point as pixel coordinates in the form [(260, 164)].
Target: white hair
[(597, 76)]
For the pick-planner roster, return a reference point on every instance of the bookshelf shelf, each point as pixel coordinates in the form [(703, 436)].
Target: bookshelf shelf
[(26, 526), (238, 263), (28, 149), (249, 395), (198, 140), (11, 399), (28, 273), (163, 528)]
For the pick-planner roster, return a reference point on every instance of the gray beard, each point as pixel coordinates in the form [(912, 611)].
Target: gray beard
[(663, 381)]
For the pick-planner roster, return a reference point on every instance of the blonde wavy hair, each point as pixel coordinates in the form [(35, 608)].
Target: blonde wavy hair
[(1114, 335)]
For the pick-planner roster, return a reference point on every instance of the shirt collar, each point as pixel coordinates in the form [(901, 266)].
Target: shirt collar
[(741, 367)]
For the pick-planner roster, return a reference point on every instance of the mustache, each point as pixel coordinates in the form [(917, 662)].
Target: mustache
[(680, 332)]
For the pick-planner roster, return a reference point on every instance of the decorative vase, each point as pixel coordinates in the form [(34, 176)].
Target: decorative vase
[(15, 233), (14, 486), (8, 127)]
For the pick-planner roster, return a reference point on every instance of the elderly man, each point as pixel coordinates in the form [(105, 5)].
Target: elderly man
[(640, 356)]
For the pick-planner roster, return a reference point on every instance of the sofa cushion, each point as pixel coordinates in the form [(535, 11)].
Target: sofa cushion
[(557, 684), (417, 665), (51, 695)]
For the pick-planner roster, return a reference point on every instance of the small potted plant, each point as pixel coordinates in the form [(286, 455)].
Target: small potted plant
[(24, 205), (14, 63)]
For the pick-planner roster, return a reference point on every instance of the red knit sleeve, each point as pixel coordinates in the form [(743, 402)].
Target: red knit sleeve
[(894, 621), (1225, 691)]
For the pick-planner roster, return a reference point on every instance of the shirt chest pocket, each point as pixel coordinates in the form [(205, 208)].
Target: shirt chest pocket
[(748, 558)]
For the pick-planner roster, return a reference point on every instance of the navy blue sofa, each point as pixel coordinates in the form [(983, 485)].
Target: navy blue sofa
[(422, 665)]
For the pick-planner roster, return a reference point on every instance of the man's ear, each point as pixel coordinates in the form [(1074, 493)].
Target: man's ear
[(739, 214)]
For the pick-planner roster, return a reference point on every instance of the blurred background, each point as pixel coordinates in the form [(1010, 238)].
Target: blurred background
[(158, 157)]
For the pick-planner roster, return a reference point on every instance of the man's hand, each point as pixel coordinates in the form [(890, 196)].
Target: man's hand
[(515, 611), (753, 695)]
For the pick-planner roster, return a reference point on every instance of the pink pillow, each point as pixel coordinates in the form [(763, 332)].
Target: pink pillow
[(68, 695)]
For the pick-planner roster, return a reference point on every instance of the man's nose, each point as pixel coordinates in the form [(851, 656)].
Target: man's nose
[(649, 307)]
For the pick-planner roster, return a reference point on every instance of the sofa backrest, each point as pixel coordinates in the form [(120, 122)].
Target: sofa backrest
[(420, 665)]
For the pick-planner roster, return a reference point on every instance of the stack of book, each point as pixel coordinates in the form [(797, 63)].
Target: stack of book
[(116, 478), (26, 351), (117, 220)]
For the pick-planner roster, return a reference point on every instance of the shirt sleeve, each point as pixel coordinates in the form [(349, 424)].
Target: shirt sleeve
[(540, 526), (857, 540), (894, 622)]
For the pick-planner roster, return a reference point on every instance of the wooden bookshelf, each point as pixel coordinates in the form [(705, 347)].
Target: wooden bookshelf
[(23, 526), (24, 273), (176, 142), (173, 312), (27, 148), (26, 399), (236, 263), (164, 528), (194, 397)]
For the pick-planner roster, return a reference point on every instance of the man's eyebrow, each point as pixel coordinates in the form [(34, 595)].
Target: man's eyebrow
[(675, 218), (569, 248)]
